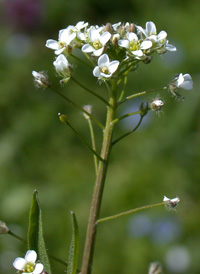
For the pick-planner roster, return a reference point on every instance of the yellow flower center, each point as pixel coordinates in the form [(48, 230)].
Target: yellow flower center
[(104, 70), (61, 44), (29, 267), (97, 44), (133, 45)]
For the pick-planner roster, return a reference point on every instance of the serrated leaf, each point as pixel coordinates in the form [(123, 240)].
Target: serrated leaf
[(73, 251), (35, 233)]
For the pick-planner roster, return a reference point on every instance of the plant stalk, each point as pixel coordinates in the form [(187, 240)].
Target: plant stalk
[(98, 188)]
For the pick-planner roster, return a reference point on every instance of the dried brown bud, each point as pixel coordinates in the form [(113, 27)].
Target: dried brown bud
[(109, 28), (131, 28)]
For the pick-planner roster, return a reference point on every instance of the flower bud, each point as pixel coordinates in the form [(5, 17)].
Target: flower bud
[(156, 105), (88, 108), (144, 108), (155, 268), (109, 28), (63, 118), (63, 67), (3, 228), (40, 79), (115, 38), (131, 28)]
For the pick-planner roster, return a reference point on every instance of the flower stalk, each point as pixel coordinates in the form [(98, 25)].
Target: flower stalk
[(99, 187)]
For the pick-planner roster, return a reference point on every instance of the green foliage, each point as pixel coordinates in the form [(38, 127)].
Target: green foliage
[(73, 251), (35, 233)]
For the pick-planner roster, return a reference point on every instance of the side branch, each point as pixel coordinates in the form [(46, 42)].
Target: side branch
[(128, 212)]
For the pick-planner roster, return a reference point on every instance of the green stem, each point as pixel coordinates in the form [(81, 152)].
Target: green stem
[(123, 90), (80, 60), (78, 107), (98, 188), (128, 212), (86, 55), (125, 116), (139, 94), (90, 91), (17, 237), (84, 141), (93, 143), (128, 133)]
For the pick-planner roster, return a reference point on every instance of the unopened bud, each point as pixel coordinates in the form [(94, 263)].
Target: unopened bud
[(131, 28), (63, 67), (115, 38), (144, 108), (40, 79), (3, 228), (109, 28), (88, 108), (155, 268), (63, 118), (156, 105)]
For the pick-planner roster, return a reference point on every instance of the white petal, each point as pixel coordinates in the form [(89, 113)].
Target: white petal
[(31, 256), (123, 43), (98, 52), (94, 35), (113, 66), (186, 85), (170, 47), (162, 35), (150, 28), (87, 48), (141, 30), (137, 53), (38, 268), (180, 79), (146, 45), (106, 75), (36, 74), (81, 36), (52, 44), (96, 72), (103, 61), (19, 263), (59, 51), (80, 25), (105, 37), (61, 34), (132, 36), (165, 199)]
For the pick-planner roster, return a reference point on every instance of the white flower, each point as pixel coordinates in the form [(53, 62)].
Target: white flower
[(27, 264), (171, 204), (97, 42), (159, 41), (63, 67), (105, 68), (183, 81), (77, 30), (133, 44), (65, 37), (180, 81), (40, 79)]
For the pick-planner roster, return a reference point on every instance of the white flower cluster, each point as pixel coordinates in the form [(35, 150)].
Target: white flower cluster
[(114, 48)]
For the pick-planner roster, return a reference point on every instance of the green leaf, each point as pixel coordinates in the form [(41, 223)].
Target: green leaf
[(35, 233), (73, 251)]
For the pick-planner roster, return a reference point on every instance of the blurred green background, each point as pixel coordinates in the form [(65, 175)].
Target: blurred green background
[(39, 152)]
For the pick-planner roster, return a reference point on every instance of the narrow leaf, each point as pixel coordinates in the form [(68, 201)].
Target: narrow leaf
[(73, 251), (35, 233)]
